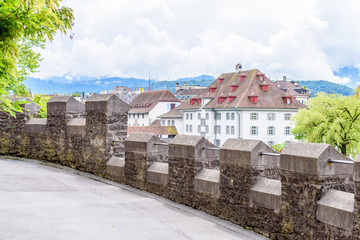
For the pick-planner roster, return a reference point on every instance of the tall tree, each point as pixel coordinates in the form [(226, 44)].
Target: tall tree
[(24, 26), (331, 119)]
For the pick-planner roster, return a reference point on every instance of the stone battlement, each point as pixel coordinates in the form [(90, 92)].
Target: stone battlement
[(299, 195)]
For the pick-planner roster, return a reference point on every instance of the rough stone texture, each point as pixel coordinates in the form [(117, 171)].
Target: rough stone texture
[(266, 193), (302, 190), (187, 157), (106, 130), (241, 165), (356, 224), (115, 169), (336, 208), (140, 151)]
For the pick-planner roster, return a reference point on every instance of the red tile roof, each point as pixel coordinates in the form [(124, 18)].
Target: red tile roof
[(146, 101), (290, 88), (240, 97), (158, 130)]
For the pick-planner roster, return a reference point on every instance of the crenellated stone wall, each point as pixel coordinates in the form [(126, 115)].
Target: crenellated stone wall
[(295, 195)]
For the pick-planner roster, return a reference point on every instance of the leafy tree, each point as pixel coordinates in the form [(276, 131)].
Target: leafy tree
[(331, 119), (41, 100), (278, 147), (76, 94), (24, 26)]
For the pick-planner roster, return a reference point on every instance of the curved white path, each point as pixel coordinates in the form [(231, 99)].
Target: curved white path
[(54, 202)]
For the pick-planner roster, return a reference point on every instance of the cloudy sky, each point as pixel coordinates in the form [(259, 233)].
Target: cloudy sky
[(305, 39)]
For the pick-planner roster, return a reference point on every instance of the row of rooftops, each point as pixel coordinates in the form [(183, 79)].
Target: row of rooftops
[(242, 89)]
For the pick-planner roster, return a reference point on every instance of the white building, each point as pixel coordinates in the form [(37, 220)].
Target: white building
[(292, 88), (148, 106), (173, 118), (243, 104)]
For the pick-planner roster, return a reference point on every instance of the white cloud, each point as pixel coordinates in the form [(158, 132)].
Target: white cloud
[(171, 39)]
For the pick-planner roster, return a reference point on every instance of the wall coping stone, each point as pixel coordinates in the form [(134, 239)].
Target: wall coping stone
[(210, 175), (336, 208), (36, 125), (266, 193), (108, 103), (246, 152), (312, 159), (159, 167), (64, 104), (76, 126), (116, 161)]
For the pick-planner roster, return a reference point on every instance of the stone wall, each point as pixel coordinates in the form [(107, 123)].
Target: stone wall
[(296, 195)]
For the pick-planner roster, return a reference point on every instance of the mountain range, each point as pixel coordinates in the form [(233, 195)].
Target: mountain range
[(61, 85)]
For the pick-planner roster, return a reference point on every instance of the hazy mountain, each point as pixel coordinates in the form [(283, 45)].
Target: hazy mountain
[(83, 84)]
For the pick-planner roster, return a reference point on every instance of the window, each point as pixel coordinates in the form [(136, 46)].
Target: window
[(287, 130), (207, 116), (232, 116), (187, 116), (270, 143), (287, 116), (253, 130), (187, 128), (203, 122), (199, 128), (227, 129), (287, 142), (227, 116), (217, 129), (232, 130), (199, 115), (271, 130), (142, 116), (217, 142), (168, 122), (271, 116), (217, 116), (172, 106), (172, 122), (207, 129), (162, 122), (129, 116), (190, 128), (190, 116), (202, 134), (138, 115), (253, 116)]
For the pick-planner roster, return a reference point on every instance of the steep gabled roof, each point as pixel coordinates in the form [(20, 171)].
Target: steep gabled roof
[(146, 101), (174, 113), (229, 91)]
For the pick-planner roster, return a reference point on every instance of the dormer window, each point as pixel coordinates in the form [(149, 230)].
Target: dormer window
[(288, 100), (242, 77), (231, 98), (264, 87), (199, 101), (253, 99), (233, 87), (261, 77), (211, 90), (220, 80), (194, 100), (221, 99)]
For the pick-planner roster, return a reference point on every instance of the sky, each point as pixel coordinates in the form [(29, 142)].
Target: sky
[(168, 39)]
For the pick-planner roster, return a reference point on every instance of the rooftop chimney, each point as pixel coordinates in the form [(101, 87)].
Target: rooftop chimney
[(284, 78), (177, 86)]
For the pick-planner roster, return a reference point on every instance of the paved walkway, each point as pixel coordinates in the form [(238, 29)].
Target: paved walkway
[(54, 202)]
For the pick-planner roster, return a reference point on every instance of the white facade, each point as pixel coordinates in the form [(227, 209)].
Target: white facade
[(146, 119), (269, 125), (177, 122)]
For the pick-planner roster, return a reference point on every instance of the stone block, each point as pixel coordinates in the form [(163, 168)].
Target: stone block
[(64, 104), (336, 208), (106, 103), (76, 126), (142, 143), (115, 167), (246, 152), (187, 146), (207, 181), (36, 125), (158, 173), (357, 169), (266, 193), (312, 158)]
